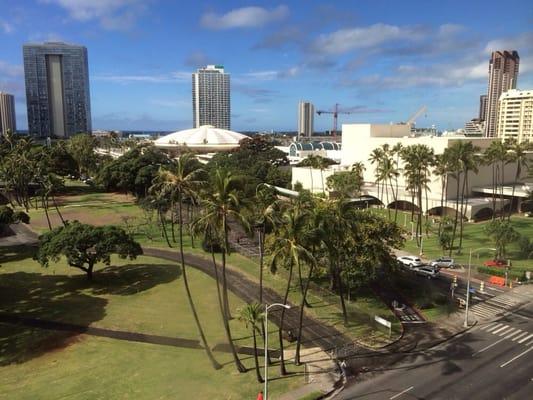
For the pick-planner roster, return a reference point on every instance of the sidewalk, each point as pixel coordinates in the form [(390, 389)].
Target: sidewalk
[(321, 374)]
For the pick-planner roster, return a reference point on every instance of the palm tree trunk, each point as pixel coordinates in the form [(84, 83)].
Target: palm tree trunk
[(172, 223), (207, 349), (458, 177), (57, 210), (261, 260), (301, 284), (283, 370), (45, 206), (256, 360), (461, 226), (341, 295), (300, 318), (493, 191), (227, 314), (164, 227)]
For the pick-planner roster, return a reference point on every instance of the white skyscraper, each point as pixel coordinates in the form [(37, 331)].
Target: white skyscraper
[(306, 115), (515, 117), (211, 97), (7, 113)]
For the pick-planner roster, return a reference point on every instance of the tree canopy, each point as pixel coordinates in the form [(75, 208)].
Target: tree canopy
[(85, 245)]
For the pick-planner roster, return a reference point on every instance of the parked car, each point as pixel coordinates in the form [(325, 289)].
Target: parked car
[(410, 261), (443, 262), (428, 272), (495, 263)]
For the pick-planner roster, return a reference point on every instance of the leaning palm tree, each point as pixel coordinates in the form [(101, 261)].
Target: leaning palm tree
[(288, 249), (376, 158), (181, 180), (252, 315), (222, 203)]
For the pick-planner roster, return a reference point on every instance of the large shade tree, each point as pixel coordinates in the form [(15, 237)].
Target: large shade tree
[(85, 245)]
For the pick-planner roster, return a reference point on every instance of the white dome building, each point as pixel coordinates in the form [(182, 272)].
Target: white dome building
[(206, 138)]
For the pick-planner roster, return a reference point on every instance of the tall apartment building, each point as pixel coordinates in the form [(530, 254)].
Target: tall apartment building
[(7, 113), (483, 100), (57, 89), (211, 97), (503, 74), (306, 115), (515, 119)]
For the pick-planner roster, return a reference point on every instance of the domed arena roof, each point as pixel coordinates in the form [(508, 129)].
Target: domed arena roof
[(204, 138)]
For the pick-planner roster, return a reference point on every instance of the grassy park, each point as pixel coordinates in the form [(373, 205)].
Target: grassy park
[(144, 296)]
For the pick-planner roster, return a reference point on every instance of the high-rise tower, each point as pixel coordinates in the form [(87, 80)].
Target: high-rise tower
[(7, 114), (306, 115), (211, 97), (482, 107), (503, 74), (57, 89)]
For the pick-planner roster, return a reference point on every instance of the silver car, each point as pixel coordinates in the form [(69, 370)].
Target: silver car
[(443, 262), (428, 272)]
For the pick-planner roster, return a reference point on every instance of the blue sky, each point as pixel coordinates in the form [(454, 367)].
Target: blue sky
[(380, 59)]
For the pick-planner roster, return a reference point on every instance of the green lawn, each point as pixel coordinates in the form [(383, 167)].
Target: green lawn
[(473, 238), (103, 208), (143, 296)]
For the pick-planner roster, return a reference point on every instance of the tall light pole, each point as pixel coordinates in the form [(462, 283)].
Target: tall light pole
[(265, 354), (468, 281)]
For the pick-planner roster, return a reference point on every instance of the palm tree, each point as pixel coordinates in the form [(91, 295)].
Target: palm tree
[(183, 180), (442, 169), (222, 203), (518, 154), (289, 250), (469, 160), (253, 317), (396, 150), (376, 157)]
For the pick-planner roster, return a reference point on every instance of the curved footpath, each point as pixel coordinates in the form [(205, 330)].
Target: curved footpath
[(314, 333)]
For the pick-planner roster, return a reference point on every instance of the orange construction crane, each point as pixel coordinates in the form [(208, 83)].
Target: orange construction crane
[(335, 113)]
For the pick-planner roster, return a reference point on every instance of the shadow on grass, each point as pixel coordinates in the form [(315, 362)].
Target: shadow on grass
[(67, 300), (16, 253)]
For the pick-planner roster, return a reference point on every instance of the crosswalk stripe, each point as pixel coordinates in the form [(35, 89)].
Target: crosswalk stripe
[(525, 339), (513, 334), (497, 301), (507, 331), (482, 312), (496, 326), (500, 329), (519, 336), (486, 326), (527, 344)]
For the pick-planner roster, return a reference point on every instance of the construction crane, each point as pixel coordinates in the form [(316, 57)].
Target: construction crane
[(335, 113), (412, 121)]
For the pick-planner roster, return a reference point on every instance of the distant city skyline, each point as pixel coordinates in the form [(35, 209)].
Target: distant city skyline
[(380, 60)]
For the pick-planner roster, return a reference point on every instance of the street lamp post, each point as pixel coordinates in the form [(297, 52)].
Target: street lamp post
[(468, 282), (265, 391)]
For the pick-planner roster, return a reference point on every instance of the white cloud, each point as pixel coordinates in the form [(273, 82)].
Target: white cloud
[(112, 14), (11, 70), (521, 43), (245, 17), (345, 40), (172, 77), (6, 27)]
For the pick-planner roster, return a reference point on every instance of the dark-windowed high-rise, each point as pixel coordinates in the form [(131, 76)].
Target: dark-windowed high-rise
[(503, 74), (57, 89), (7, 114), (211, 97)]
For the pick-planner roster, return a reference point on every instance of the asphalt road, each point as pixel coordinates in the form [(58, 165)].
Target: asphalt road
[(492, 361)]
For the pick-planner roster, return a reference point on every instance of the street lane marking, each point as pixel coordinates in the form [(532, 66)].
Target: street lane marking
[(513, 334), (519, 336), (488, 347), (486, 326), (494, 327), (525, 339), (502, 329), (496, 290), (399, 394), (514, 358), (506, 332)]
